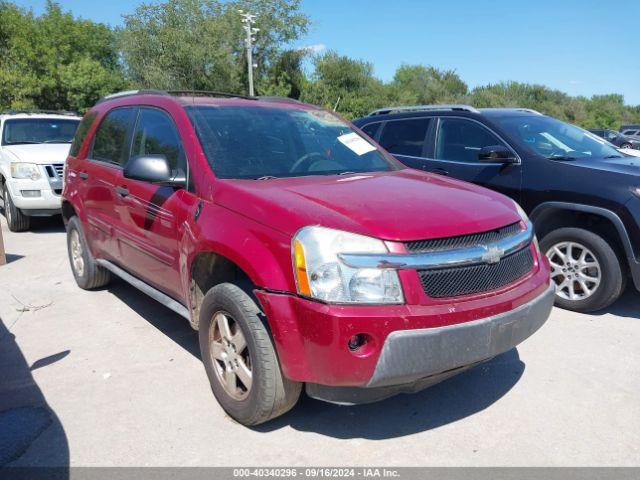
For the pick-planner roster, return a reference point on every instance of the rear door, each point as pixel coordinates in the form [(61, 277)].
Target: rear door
[(457, 144), (98, 175), (150, 213)]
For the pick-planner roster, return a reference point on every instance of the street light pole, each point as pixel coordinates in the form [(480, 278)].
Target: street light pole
[(248, 20)]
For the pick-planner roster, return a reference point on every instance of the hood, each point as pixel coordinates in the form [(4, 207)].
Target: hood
[(41, 153), (402, 205), (629, 165), (630, 151)]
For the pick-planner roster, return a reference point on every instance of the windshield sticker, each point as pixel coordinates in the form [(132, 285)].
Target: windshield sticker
[(356, 143)]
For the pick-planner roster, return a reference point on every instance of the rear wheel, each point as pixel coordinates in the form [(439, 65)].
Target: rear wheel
[(586, 270), (17, 221), (240, 359), (626, 145), (86, 271)]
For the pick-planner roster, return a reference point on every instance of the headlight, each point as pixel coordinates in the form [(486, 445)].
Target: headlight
[(25, 170), (321, 275)]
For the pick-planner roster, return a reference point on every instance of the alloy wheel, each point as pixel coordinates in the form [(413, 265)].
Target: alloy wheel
[(230, 355), (76, 253), (7, 207), (575, 270)]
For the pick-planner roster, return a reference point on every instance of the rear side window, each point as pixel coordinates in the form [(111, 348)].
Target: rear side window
[(461, 140), (110, 143), (405, 137), (81, 133), (156, 134)]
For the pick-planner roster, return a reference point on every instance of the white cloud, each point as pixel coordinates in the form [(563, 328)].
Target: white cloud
[(317, 48)]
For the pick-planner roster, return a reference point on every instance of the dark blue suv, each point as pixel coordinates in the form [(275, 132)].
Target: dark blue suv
[(580, 191)]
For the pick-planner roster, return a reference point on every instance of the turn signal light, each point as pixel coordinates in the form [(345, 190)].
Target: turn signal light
[(302, 279)]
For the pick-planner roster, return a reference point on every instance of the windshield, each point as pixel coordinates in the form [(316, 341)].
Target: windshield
[(555, 139), (262, 143), (38, 130)]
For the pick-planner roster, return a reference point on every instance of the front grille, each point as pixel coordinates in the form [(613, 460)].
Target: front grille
[(457, 281), (59, 169), (463, 241), (55, 170)]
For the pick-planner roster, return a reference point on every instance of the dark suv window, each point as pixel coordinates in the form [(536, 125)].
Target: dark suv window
[(405, 137), (110, 142), (156, 134), (371, 129), (461, 140)]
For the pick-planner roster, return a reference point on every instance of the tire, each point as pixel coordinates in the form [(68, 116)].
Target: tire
[(609, 270), (88, 274), (626, 145), (16, 220), (269, 394)]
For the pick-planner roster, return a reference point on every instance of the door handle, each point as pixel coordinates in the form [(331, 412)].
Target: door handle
[(83, 175), (122, 191), (440, 171)]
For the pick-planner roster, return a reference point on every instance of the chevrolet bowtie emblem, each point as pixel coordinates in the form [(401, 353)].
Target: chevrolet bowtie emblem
[(492, 255)]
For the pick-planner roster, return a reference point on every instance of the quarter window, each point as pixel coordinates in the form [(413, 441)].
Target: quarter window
[(81, 133), (405, 137), (371, 129), (461, 140), (156, 134), (110, 143)]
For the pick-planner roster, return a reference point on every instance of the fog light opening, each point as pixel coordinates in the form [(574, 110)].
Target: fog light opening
[(357, 341)]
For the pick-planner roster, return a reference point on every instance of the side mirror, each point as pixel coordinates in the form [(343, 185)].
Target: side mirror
[(153, 169), (496, 154)]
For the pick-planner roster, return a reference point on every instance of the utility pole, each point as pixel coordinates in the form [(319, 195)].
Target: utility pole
[(248, 21)]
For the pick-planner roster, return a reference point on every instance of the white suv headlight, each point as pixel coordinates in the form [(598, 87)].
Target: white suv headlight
[(26, 170), (321, 275)]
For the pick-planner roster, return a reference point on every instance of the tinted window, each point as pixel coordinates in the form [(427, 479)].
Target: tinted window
[(371, 129), (405, 137), (156, 134), (81, 133), (20, 131), (110, 142), (555, 139), (260, 142), (461, 140)]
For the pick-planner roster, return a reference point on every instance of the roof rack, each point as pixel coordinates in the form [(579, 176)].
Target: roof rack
[(529, 110), (194, 93), (273, 98), (424, 108), (37, 110)]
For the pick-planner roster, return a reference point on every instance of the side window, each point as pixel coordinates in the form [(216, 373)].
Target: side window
[(611, 135), (371, 129), (156, 134), (461, 140), (110, 142), (405, 137), (81, 133)]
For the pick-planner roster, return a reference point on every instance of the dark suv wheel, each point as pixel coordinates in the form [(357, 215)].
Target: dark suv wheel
[(240, 359), (586, 270)]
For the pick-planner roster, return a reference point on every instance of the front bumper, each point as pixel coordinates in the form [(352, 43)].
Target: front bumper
[(411, 360), (47, 203)]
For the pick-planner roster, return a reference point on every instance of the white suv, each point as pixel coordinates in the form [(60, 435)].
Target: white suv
[(33, 148)]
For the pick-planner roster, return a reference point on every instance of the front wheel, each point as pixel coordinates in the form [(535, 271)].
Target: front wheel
[(16, 220), (240, 359), (586, 270), (626, 145)]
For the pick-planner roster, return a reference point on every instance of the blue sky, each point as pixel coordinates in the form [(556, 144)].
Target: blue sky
[(582, 47)]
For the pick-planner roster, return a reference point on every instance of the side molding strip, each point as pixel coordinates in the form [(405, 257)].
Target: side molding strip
[(146, 288)]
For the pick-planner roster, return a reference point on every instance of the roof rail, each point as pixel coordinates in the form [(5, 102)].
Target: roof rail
[(274, 98), (529, 110), (424, 108), (128, 93), (38, 110), (208, 93)]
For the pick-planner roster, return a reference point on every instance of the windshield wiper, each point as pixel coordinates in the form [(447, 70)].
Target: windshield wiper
[(346, 173), (614, 156), (266, 177), (561, 157), (22, 143)]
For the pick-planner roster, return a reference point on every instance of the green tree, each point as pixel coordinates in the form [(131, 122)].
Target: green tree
[(55, 61), (199, 44), (419, 85)]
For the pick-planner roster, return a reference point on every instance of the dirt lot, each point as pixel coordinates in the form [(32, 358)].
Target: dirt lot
[(112, 378)]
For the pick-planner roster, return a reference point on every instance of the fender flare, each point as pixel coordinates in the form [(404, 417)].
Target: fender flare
[(578, 207)]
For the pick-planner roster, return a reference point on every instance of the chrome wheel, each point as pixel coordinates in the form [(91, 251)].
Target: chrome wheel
[(230, 356), (75, 247), (7, 208), (575, 270)]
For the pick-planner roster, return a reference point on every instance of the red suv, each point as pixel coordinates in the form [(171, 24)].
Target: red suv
[(301, 251)]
